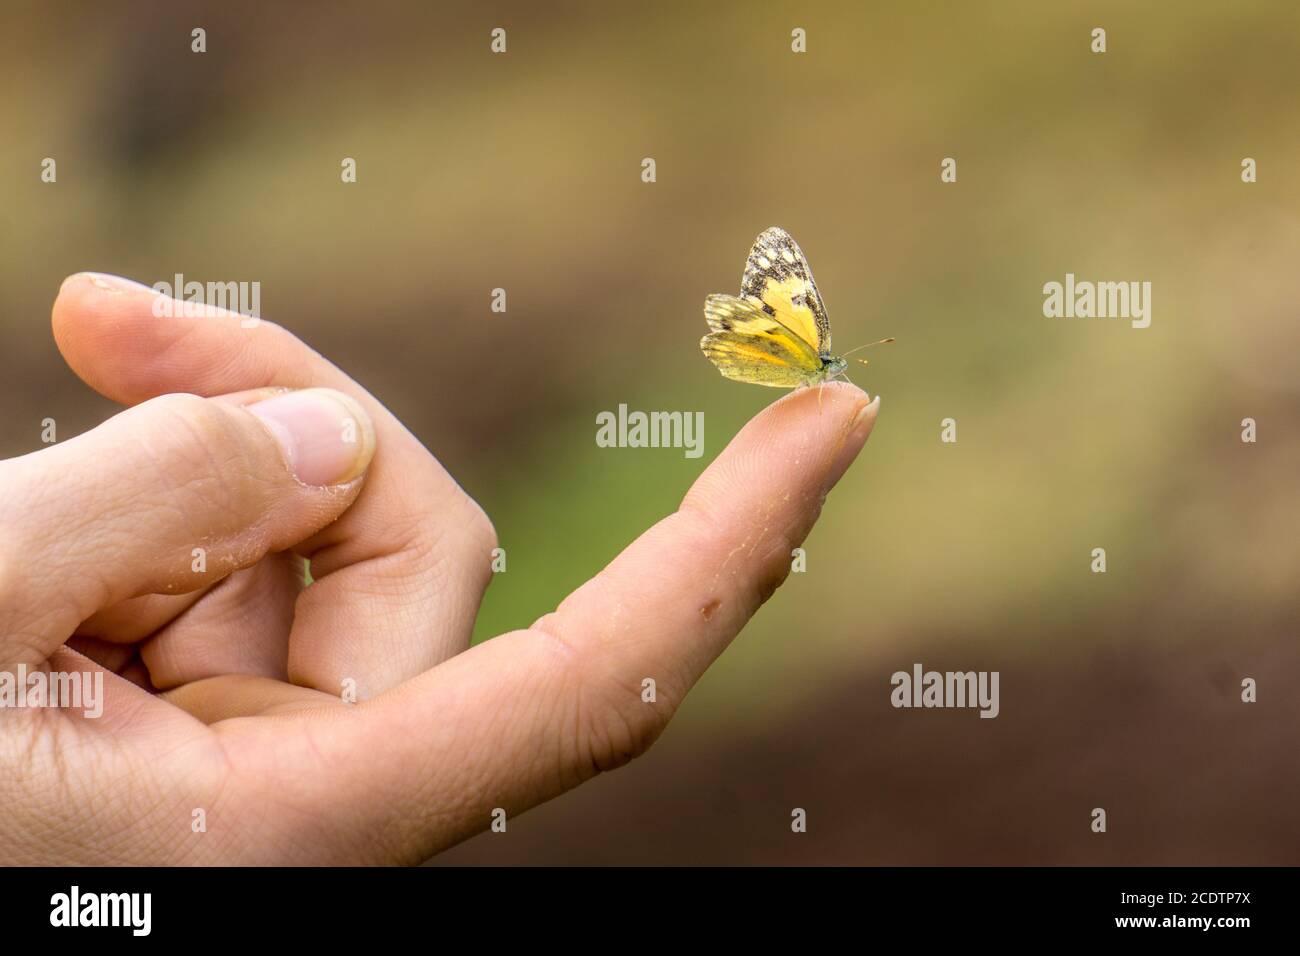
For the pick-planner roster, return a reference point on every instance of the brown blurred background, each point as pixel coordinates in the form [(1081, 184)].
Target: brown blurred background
[(522, 171)]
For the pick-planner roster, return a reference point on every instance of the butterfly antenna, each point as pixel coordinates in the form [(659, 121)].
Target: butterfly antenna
[(868, 345)]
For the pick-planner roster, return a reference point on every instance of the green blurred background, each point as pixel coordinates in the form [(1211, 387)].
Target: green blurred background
[(522, 171)]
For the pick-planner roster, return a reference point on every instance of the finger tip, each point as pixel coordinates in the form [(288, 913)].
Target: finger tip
[(105, 328), (840, 416), (70, 291), (839, 390), (801, 437), (67, 314), (80, 300), (829, 406)]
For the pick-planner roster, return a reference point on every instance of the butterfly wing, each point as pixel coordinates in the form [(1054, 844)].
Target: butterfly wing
[(777, 274), (750, 344)]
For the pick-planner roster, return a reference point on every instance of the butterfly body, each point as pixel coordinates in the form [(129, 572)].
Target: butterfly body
[(776, 332)]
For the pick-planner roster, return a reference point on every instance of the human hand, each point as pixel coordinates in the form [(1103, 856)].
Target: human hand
[(224, 686)]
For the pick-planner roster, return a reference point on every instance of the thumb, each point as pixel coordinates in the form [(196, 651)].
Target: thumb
[(168, 497)]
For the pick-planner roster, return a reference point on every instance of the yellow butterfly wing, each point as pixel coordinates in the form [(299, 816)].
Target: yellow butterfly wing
[(778, 274), (749, 344)]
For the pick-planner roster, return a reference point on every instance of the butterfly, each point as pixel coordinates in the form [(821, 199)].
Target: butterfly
[(776, 332)]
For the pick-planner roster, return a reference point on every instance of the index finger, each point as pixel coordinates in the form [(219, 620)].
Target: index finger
[(525, 716)]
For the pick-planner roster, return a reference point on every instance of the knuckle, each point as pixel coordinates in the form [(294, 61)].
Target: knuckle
[(189, 428), (604, 721), (13, 547), (616, 725), (204, 450), (480, 533), (459, 535), (178, 405)]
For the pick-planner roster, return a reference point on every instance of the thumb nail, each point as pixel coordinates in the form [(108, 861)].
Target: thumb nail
[(327, 437)]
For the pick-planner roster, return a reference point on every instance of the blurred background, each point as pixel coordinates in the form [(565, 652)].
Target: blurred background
[(523, 171)]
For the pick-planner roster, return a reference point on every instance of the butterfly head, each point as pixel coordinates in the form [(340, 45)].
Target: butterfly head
[(834, 366)]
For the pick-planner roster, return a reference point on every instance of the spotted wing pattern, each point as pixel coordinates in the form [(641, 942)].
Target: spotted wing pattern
[(778, 270)]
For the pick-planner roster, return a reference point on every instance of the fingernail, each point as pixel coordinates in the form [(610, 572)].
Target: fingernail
[(855, 436), (110, 284), (326, 437)]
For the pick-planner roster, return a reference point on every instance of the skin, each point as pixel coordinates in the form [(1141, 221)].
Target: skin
[(223, 687)]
